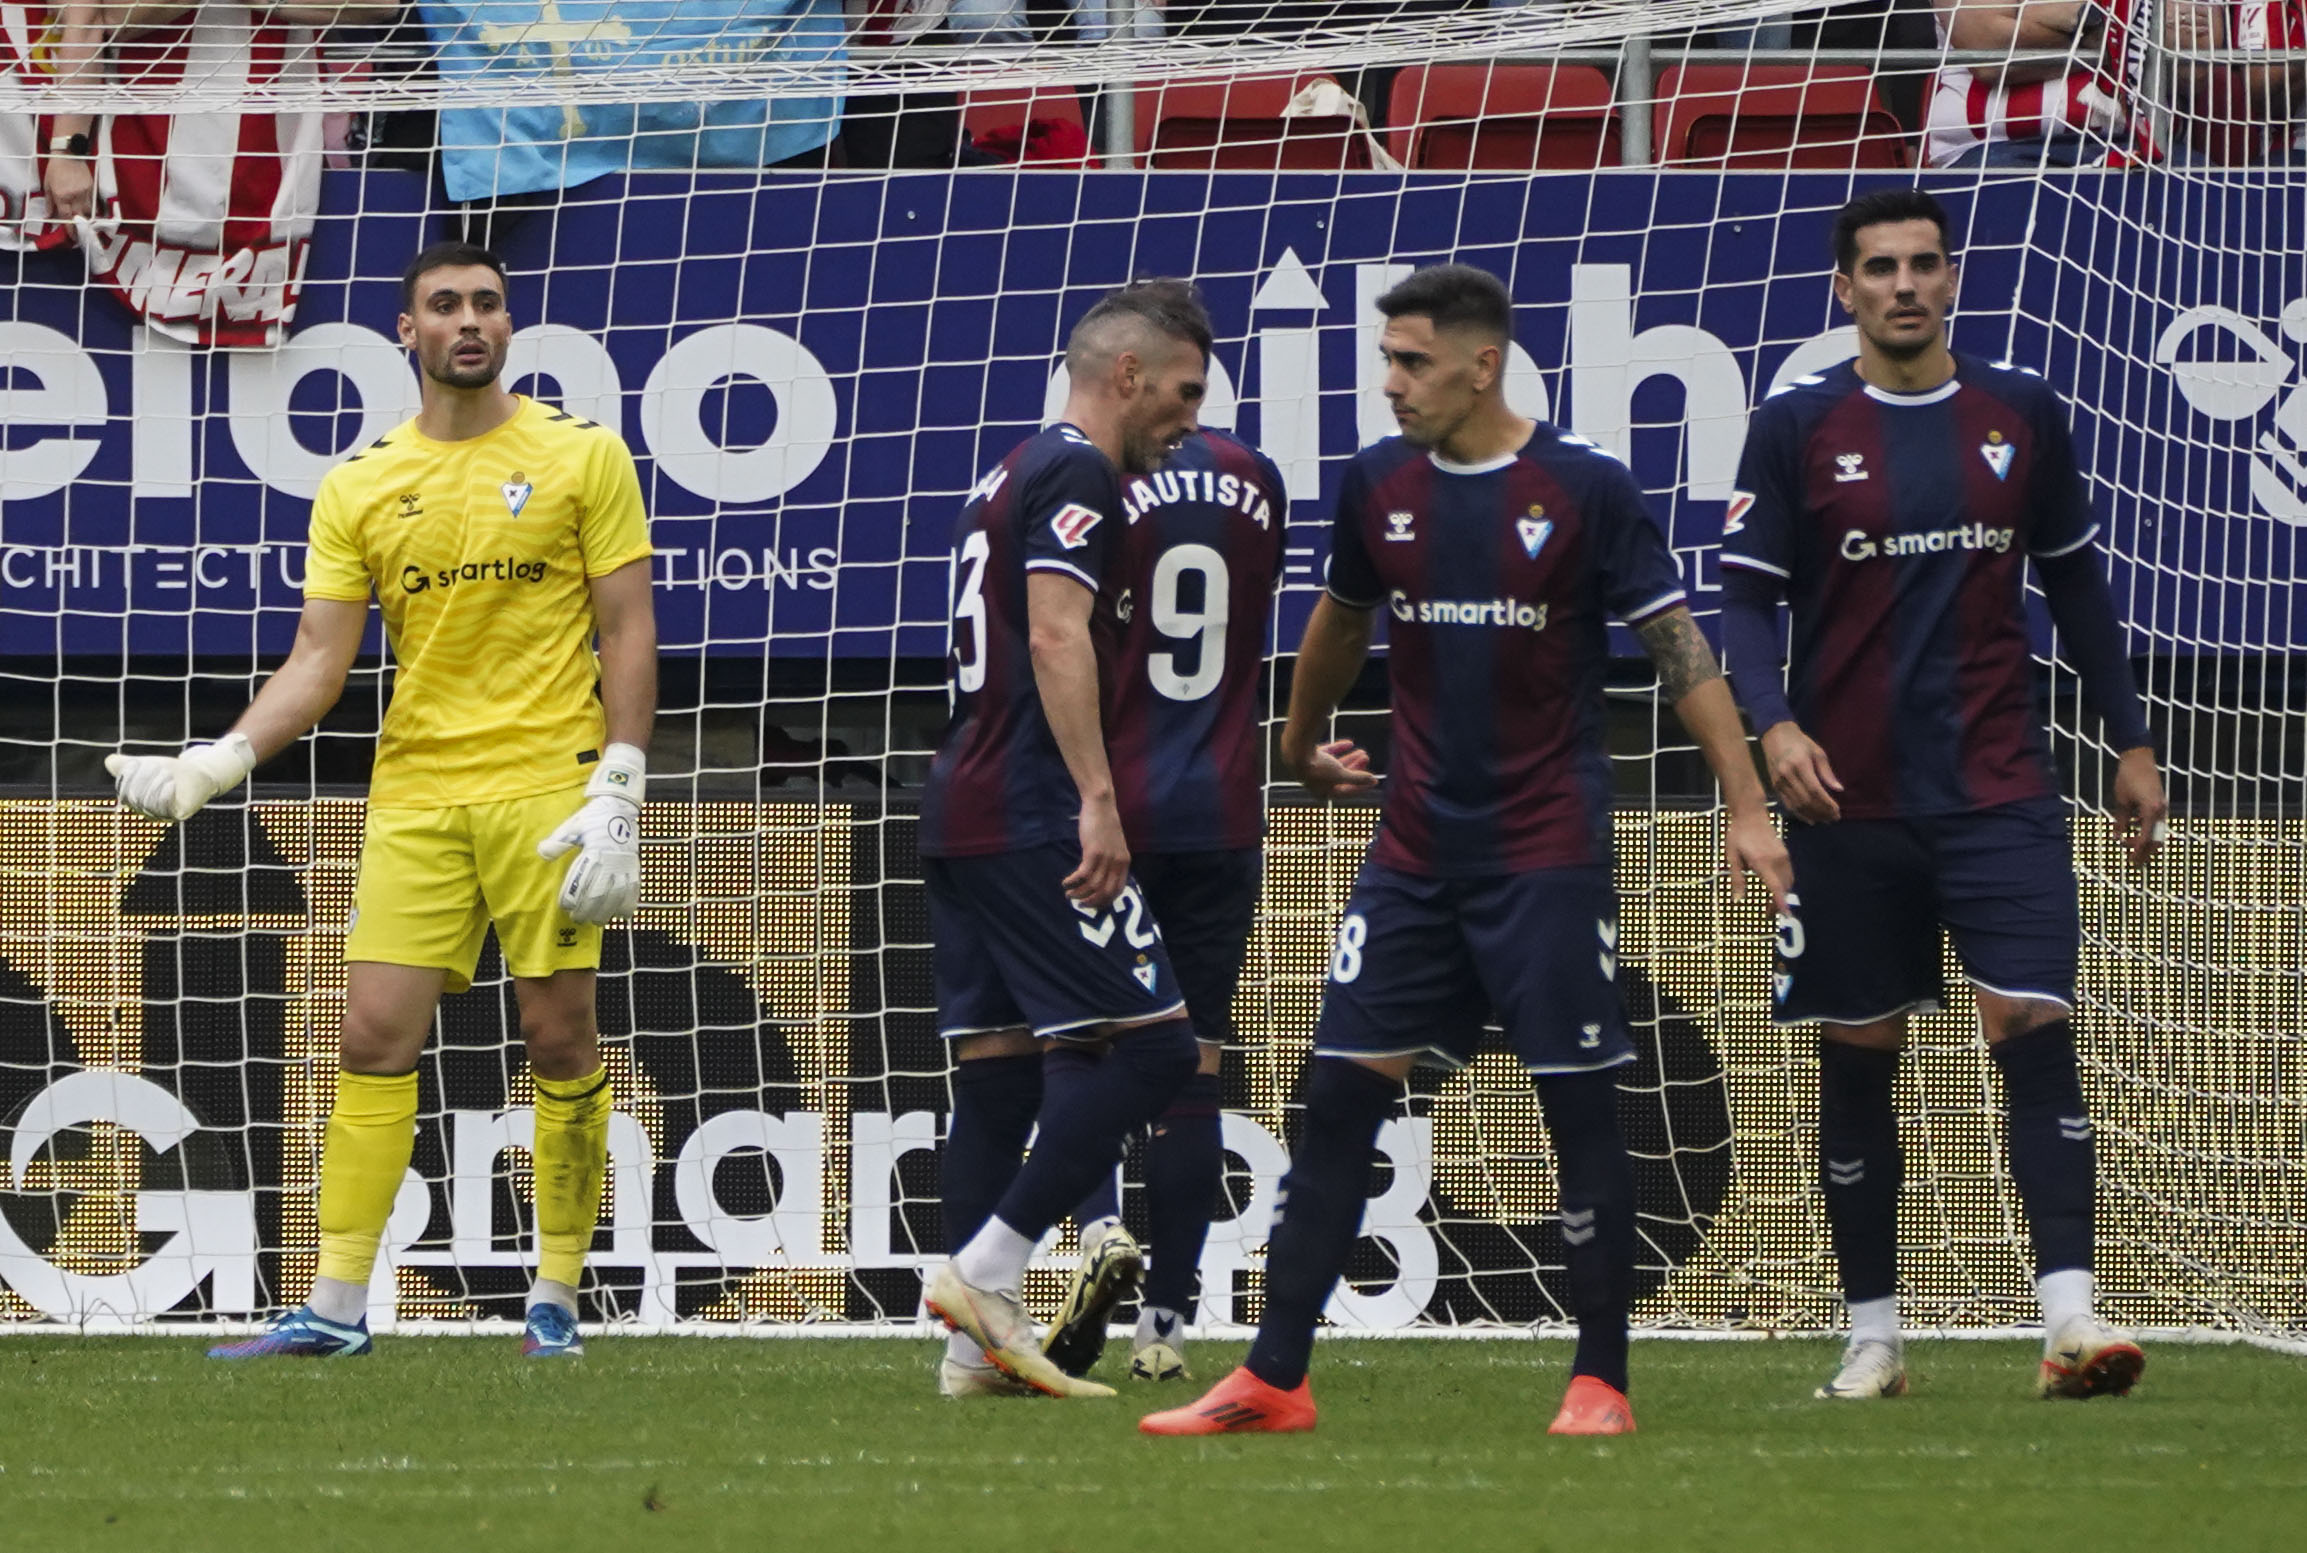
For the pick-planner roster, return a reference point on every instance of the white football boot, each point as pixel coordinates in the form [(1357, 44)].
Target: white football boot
[(2086, 1357), (1871, 1368)]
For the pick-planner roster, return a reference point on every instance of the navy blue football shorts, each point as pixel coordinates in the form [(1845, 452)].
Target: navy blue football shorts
[(1420, 965), (1860, 941), (1207, 904), (1010, 950)]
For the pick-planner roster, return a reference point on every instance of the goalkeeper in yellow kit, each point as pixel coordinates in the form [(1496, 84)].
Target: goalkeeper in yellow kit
[(500, 536)]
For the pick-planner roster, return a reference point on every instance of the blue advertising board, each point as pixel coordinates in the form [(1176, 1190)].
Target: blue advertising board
[(812, 370)]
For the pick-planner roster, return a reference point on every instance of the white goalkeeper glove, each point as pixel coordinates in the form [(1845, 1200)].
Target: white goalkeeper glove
[(174, 787), (604, 881)]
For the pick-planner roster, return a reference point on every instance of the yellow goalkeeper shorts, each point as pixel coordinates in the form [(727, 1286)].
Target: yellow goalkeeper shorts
[(432, 880)]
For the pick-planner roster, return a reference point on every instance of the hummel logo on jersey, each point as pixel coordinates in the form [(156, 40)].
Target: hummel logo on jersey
[(516, 491), (1398, 526), (412, 505), (1534, 530), (1850, 466), (1734, 516), (1146, 976), (1073, 523), (1589, 1037), (1998, 454)]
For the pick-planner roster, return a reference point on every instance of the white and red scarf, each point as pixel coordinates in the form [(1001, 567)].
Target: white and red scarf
[(203, 220)]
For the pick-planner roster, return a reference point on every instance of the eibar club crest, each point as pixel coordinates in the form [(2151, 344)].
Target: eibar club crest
[(516, 491), (1145, 973), (1998, 454), (1534, 530)]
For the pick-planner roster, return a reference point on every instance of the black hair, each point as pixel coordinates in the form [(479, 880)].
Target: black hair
[(1454, 296), (1878, 207), (442, 256), (1171, 307)]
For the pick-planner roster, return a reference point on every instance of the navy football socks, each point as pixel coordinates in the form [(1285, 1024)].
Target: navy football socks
[(1085, 1121), (2050, 1142), (1065, 1070), (995, 1100), (1321, 1212), (1859, 1165), (1183, 1169), (1597, 1197)]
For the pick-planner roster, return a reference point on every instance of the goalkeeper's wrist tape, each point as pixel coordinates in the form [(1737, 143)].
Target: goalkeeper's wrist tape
[(622, 773), (226, 763)]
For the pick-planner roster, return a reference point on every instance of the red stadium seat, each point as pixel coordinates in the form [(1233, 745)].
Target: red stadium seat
[(1774, 116), (1001, 115), (1238, 124), (991, 109), (1512, 118)]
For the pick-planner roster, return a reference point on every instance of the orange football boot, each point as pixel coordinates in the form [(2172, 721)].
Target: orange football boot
[(1239, 1404), (1593, 1406)]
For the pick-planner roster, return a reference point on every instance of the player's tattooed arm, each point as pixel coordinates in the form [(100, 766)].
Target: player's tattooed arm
[(1679, 649)]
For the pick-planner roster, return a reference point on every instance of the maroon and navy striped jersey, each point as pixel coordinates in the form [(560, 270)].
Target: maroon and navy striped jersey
[(1900, 526), (1498, 581), (1199, 558), (998, 782)]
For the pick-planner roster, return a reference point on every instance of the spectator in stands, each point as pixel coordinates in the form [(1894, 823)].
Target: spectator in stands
[(2277, 91), (2094, 105), (2024, 113), (1021, 21), (68, 175), (86, 31)]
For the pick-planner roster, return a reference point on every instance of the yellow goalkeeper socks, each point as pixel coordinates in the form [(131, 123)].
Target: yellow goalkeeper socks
[(571, 1154), (362, 1161)]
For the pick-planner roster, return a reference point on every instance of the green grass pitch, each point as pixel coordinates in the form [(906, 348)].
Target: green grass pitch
[(140, 1444)]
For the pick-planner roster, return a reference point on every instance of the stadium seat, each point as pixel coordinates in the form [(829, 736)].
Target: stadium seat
[(1239, 125), (1504, 117), (981, 111), (997, 119), (1774, 116)]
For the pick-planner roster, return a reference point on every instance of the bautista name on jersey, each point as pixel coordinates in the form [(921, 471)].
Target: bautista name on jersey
[(480, 554), (1199, 558)]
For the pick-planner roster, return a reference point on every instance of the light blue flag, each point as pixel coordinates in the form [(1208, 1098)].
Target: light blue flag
[(487, 151)]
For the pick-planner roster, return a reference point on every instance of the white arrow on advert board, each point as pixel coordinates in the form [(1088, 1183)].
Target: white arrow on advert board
[(1290, 376)]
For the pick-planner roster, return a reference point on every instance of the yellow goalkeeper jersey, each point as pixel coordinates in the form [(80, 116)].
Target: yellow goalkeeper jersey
[(479, 553)]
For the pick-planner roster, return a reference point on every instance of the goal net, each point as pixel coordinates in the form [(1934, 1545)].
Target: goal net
[(738, 233)]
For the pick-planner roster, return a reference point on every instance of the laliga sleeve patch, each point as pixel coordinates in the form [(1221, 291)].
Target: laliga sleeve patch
[(1072, 524), (1734, 518)]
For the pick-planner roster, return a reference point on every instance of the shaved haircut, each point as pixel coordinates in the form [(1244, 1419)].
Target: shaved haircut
[(1132, 317)]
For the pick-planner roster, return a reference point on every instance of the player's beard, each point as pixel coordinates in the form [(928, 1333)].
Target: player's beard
[(1421, 432), (448, 374), (1909, 347), (1142, 454)]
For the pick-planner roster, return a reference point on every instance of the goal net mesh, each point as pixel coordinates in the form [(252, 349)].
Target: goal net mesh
[(736, 232)]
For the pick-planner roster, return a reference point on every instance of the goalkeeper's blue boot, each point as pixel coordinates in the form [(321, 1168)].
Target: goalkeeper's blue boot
[(300, 1334), (551, 1334)]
